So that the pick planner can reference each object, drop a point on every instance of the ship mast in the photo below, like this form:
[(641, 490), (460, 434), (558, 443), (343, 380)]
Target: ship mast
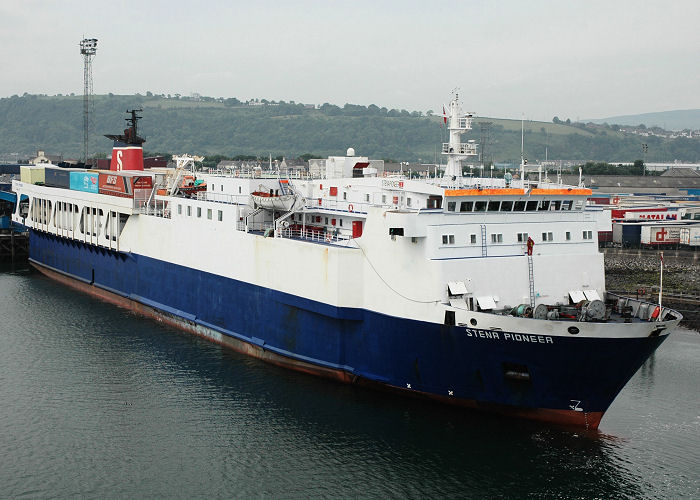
[(456, 150)]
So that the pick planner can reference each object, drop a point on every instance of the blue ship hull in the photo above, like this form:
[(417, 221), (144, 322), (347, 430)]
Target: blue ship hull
[(559, 379)]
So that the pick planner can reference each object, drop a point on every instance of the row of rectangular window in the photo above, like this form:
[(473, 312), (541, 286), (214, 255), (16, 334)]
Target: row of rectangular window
[(220, 213), (317, 219), (449, 239), (513, 206), (213, 188)]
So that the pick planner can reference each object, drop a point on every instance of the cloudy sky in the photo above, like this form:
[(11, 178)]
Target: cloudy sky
[(538, 59)]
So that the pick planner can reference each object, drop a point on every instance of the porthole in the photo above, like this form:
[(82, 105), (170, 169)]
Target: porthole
[(573, 330), (472, 322)]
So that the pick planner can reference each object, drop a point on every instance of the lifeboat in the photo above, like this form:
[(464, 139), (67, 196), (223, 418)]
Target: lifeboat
[(272, 201)]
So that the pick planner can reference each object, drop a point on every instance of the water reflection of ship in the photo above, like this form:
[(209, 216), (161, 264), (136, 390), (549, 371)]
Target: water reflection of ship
[(647, 369)]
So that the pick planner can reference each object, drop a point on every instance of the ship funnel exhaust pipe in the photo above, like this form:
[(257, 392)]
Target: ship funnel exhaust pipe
[(127, 152)]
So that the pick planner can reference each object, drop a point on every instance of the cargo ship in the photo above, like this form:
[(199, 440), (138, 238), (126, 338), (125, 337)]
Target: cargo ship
[(486, 293)]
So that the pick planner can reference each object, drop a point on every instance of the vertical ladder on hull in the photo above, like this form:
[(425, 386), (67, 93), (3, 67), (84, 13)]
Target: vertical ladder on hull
[(531, 276), (484, 252)]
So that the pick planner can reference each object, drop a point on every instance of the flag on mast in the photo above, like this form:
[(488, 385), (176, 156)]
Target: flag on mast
[(444, 115)]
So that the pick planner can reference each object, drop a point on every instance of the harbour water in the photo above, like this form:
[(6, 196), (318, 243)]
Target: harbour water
[(98, 402)]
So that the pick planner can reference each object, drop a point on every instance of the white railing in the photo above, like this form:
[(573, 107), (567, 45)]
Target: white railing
[(315, 235), (464, 148), (341, 205), (156, 208), (307, 234), (465, 123), (233, 199), (264, 173)]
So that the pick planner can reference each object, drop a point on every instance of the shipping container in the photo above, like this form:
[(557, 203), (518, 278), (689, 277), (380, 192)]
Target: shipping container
[(660, 234), (155, 162), (84, 181), (32, 174), (605, 238), (642, 213), (690, 236), (59, 177), (100, 163), (626, 234), (126, 184)]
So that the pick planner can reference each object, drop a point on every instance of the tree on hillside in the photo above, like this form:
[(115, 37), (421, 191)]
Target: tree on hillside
[(309, 156)]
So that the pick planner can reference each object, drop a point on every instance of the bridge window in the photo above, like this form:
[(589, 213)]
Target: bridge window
[(480, 206), (494, 205), (531, 206), (519, 206), (506, 206), (451, 205), (555, 205), (544, 205), (466, 206), (567, 204)]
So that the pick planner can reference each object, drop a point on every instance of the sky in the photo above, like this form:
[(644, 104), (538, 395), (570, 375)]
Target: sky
[(508, 59)]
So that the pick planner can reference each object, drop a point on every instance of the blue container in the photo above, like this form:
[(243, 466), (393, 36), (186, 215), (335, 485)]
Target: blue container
[(84, 181), (57, 177), (631, 235)]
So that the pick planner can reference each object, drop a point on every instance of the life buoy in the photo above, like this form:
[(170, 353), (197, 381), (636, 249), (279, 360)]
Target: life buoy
[(641, 291), (328, 237), (350, 207), (656, 312)]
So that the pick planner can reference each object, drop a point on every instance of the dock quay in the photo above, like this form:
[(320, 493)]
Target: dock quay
[(14, 246)]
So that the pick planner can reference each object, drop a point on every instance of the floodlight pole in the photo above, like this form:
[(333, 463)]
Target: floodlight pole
[(88, 48)]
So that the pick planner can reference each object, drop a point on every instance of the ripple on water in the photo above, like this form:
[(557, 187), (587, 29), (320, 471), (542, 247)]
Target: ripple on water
[(100, 402)]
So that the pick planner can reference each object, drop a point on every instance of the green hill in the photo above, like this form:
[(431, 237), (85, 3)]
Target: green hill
[(225, 126), (680, 119)]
